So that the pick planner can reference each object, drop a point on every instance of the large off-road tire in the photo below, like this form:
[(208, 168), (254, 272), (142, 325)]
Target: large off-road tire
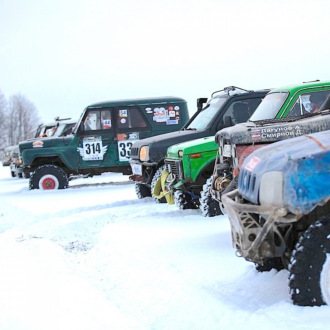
[(309, 266), (154, 180), (209, 206), (269, 264), (49, 177), (184, 201), (142, 190)]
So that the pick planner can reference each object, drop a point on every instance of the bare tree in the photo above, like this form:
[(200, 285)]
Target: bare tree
[(3, 135), (22, 119)]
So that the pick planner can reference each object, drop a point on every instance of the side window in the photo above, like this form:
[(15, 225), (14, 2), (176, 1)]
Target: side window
[(309, 103), (130, 118), (92, 121), (106, 119), (241, 111)]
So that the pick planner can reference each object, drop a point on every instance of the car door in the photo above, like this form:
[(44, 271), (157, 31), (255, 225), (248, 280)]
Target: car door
[(96, 139), (130, 125)]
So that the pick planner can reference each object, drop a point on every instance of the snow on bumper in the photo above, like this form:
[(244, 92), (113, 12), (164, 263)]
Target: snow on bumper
[(255, 228)]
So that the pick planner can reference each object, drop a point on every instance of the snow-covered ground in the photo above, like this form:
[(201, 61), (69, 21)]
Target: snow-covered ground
[(95, 257)]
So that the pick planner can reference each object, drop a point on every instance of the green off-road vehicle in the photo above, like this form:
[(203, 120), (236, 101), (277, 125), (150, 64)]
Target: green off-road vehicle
[(280, 213), (101, 140), (189, 165), (285, 113), (225, 108)]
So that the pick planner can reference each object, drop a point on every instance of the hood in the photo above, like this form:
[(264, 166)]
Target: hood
[(45, 142), (276, 130), (305, 164), (194, 146), (158, 144)]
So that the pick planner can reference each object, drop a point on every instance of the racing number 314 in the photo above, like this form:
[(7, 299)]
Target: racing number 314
[(92, 148)]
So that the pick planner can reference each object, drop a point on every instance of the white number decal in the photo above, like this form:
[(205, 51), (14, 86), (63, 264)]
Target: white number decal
[(124, 150), (93, 149)]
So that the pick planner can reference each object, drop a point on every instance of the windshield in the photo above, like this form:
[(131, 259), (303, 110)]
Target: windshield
[(269, 107), (206, 116)]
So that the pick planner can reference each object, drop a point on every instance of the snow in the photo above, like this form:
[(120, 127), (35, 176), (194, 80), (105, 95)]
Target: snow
[(95, 257)]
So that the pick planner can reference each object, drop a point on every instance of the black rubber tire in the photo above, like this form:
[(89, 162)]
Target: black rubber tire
[(12, 174), (209, 206), (53, 170), (306, 264), (20, 175), (142, 190), (269, 264), (184, 201), (153, 182)]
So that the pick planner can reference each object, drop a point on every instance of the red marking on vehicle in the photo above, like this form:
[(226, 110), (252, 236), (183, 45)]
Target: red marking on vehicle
[(253, 162), (318, 142), (37, 144)]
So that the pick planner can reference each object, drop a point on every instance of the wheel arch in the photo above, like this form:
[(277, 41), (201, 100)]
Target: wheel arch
[(51, 160)]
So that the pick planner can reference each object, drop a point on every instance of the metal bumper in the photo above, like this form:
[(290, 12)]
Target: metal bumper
[(255, 228)]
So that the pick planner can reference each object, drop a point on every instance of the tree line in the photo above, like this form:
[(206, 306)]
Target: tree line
[(19, 119)]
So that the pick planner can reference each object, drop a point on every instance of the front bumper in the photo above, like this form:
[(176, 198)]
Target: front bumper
[(142, 171), (258, 232)]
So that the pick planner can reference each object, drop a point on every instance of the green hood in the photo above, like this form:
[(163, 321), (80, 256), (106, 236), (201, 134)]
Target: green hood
[(193, 146)]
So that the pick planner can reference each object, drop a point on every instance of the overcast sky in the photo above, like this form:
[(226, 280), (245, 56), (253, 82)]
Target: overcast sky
[(66, 54)]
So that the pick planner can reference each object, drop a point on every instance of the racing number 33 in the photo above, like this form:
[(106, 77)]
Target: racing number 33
[(124, 150)]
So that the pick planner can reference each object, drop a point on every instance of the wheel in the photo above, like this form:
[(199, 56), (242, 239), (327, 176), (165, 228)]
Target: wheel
[(12, 174), (142, 190), (49, 177), (209, 206), (154, 180), (269, 264), (184, 201), (309, 266), (20, 175)]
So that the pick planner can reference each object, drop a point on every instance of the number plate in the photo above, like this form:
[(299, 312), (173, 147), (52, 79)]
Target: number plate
[(227, 150), (136, 169), (124, 149), (93, 149)]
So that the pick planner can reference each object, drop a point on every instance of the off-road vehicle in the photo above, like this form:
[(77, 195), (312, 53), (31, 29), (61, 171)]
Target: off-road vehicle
[(59, 127), (284, 113), (16, 168), (280, 214), (8, 155), (190, 164), (101, 140), (147, 157)]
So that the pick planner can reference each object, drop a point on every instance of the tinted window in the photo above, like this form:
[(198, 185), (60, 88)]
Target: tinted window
[(269, 107), (129, 118), (241, 111), (205, 117), (310, 102)]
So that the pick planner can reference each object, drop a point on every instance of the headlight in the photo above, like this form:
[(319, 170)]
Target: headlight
[(271, 189), (144, 154), (227, 150)]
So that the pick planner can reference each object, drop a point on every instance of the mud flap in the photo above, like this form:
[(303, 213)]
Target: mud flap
[(160, 190)]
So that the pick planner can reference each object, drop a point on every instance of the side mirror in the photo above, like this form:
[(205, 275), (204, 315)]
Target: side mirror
[(228, 121), (200, 103)]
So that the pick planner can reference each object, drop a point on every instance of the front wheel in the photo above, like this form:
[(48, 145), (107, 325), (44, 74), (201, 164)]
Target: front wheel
[(184, 201), (309, 267), (49, 177), (209, 206), (142, 190), (154, 185)]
